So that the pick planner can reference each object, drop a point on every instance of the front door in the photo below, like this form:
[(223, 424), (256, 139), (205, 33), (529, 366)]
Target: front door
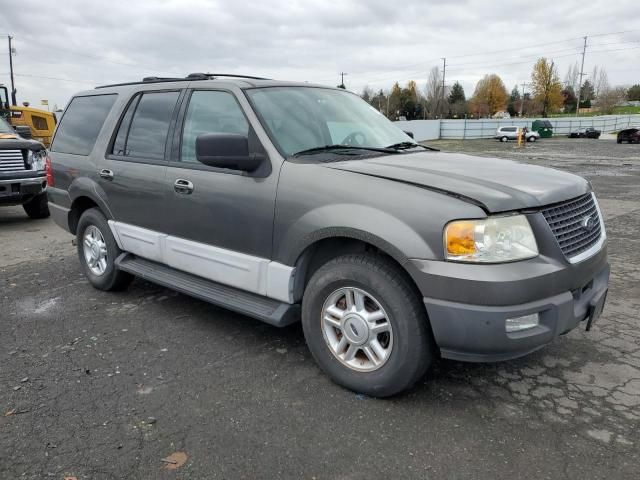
[(221, 220)]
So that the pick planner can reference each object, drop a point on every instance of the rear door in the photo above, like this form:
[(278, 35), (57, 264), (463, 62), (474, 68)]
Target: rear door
[(132, 173)]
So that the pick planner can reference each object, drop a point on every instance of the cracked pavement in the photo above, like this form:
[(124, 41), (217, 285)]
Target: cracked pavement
[(102, 385)]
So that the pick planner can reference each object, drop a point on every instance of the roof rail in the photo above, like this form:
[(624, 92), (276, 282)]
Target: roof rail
[(190, 77)]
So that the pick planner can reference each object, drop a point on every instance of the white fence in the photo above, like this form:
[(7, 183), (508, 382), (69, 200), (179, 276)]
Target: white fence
[(486, 128)]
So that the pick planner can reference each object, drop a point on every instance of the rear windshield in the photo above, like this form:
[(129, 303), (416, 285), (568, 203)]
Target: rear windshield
[(81, 124)]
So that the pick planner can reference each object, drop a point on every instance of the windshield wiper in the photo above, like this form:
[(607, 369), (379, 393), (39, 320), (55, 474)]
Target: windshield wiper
[(336, 148), (407, 145)]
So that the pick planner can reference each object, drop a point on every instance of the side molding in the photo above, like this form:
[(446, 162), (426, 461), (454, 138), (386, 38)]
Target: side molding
[(253, 274)]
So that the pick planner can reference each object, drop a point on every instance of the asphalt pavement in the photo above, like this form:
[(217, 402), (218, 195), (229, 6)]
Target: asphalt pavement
[(151, 384)]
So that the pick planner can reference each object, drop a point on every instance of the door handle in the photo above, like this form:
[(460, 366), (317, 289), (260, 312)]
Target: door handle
[(184, 187), (106, 174)]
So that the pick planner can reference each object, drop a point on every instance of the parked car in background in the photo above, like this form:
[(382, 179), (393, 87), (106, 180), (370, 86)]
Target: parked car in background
[(588, 132), (630, 135), (504, 134), (22, 172), (288, 201)]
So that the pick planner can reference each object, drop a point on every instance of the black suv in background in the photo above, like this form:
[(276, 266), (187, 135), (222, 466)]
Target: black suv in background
[(22, 172), (286, 201)]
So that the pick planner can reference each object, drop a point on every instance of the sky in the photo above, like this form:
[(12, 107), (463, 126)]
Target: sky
[(66, 46)]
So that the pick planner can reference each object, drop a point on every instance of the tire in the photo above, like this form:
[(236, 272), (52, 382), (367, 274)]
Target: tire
[(408, 341), (504, 139), (618, 140), (37, 207), (93, 224), (531, 139)]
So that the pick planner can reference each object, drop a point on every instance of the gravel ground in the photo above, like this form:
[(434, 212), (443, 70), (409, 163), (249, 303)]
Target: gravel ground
[(149, 383)]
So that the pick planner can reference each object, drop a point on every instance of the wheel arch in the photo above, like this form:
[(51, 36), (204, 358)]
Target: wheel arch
[(326, 244)]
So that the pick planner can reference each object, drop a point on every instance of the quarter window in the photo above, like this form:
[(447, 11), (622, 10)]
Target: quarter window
[(145, 125), (210, 111), (81, 124)]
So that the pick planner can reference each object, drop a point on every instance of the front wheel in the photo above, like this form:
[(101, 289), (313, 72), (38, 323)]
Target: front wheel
[(97, 251), (532, 139), (365, 325), (504, 139), (37, 207)]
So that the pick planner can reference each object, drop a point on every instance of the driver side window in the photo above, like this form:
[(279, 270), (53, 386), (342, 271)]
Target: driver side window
[(210, 111)]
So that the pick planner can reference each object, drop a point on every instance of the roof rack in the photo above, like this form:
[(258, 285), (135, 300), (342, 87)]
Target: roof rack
[(190, 77)]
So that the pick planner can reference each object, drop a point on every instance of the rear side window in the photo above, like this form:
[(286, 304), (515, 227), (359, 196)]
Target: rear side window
[(39, 123), (81, 124), (145, 125)]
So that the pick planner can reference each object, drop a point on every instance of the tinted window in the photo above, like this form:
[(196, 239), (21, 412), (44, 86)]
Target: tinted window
[(147, 131), (210, 112), (81, 124), (119, 144)]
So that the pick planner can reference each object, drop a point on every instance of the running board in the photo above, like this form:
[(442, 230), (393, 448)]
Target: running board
[(268, 310)]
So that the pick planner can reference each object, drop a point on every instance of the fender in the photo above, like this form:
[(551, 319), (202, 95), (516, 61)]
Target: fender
[(360, 222), (86, 187)]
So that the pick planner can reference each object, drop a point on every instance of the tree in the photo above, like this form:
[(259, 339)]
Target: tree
[(587, 94), (546, 86), (457, 101), (490, 96), (456, 94), (609, 98), (600, 80), (433, 103), (394, 102), (633, 94), (514, 102), (572, 76), (367, 94), (570, 100)]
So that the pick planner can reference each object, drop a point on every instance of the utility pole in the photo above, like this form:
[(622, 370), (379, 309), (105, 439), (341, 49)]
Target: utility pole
[(342, 74), (444, 72), (584, 50), (13, 88), (524, 85)]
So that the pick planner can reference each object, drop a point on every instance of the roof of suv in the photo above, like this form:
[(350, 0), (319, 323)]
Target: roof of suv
[(241, 81)]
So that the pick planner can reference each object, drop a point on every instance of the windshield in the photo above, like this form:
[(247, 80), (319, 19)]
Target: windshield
[(5, 127), (304, 118)]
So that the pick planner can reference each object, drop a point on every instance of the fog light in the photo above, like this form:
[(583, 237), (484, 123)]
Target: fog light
[(522, 323)]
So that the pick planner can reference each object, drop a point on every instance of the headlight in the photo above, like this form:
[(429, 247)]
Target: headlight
[(491, 240), (36, 159)]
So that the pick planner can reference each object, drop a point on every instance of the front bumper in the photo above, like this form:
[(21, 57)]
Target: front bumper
[(468, 305), (19, 190)]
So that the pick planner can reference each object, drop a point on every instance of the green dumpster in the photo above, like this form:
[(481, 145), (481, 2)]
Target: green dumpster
[(543, 127)]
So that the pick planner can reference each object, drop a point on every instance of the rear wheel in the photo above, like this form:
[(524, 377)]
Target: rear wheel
[(37, 207), (531, 139), (365, 325), (504, 139), (97, 250)]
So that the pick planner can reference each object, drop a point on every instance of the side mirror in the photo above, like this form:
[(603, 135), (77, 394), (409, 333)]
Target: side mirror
[(226, 150), (408, 133)]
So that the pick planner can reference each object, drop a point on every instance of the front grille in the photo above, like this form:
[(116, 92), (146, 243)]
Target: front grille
[(567, 221), (11, 161)]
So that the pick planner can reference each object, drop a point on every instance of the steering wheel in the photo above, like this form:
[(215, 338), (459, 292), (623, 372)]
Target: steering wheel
[(355, 139)]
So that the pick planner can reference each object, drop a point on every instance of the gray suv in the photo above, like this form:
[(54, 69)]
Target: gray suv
[(288, 201)]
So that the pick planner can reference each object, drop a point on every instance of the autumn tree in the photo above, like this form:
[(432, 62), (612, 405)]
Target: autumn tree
[(490, 96), (546, 86), (394, 102)]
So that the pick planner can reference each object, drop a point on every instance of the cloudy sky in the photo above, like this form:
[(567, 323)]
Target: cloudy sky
[(71, 45)]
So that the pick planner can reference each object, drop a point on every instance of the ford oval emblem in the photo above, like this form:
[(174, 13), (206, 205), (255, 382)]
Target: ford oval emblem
[(589, 222)]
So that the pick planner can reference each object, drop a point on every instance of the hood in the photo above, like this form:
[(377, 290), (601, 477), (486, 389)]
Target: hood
[(15, 142), (494, 184)]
